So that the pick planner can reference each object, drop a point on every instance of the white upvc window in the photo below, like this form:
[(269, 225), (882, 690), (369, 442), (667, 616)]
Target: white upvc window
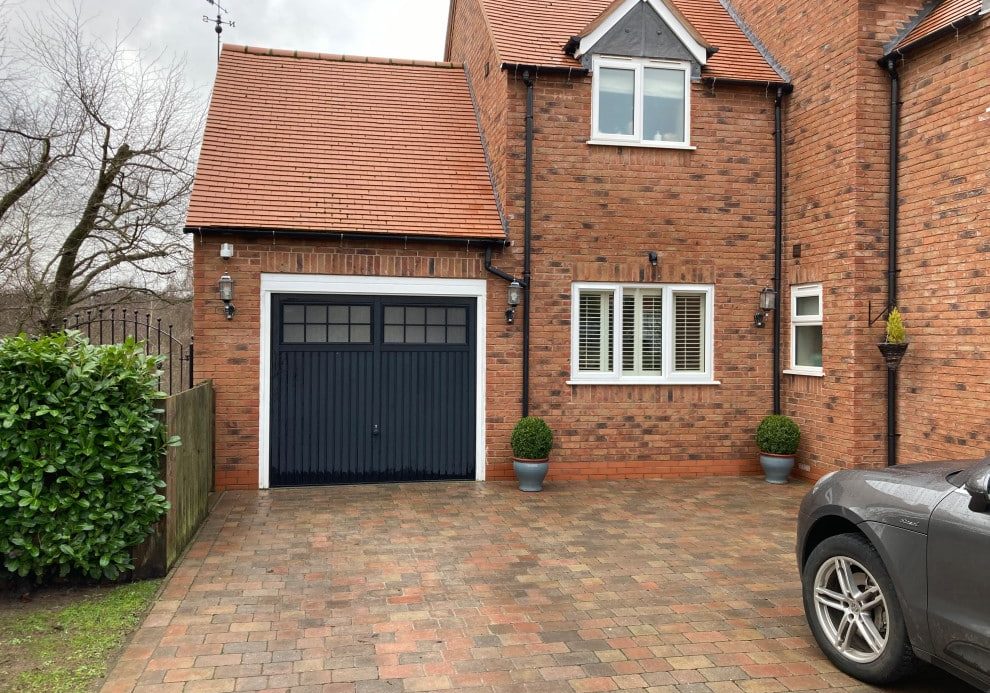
[(806, 329), (641, 102), (642, 334)]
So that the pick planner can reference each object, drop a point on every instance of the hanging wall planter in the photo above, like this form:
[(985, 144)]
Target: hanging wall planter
[(892, 353), (895, 344)]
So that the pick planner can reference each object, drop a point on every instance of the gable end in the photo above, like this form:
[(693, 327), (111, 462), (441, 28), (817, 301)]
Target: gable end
[(642, 33)]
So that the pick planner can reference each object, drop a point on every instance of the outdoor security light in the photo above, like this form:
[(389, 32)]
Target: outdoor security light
[(226, 250), (227, 295), (514, 298), (515, 294), (768, 301)]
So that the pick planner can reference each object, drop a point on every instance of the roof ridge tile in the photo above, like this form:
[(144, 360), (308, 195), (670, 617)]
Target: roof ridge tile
[(337, 57)]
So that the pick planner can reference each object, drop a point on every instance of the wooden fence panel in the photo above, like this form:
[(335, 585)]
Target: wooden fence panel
[(188, 467), (188, 473)]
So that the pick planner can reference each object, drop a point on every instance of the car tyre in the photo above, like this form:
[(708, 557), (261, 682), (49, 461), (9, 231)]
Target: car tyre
[(846, 588)]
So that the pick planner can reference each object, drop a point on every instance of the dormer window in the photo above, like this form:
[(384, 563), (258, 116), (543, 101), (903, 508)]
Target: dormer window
[(641, 102)]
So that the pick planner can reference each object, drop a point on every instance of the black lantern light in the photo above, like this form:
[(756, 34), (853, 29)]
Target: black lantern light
[(227, 295), (768, 301), (514, 298)]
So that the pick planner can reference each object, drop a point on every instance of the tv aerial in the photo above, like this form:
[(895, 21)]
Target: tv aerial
[(218, 23)]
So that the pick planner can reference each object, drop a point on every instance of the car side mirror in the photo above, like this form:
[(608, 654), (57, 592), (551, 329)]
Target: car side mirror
[(978, 487)]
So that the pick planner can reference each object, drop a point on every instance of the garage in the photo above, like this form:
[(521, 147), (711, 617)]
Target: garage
[(372, 388)]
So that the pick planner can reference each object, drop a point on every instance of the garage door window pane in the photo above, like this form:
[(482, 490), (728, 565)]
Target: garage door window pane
[(322, 324), (294, 334), (425, 325), (316, 334)]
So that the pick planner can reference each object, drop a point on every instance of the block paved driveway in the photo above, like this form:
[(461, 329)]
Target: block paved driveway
[(668, 586)]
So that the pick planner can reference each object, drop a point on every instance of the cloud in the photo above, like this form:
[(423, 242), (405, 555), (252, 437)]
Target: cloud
[(389, 28)]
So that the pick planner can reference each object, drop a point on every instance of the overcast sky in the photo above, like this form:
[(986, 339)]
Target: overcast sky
[(388, 28)]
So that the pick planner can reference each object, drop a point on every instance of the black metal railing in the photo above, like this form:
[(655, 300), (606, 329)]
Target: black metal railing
[(113, 327)]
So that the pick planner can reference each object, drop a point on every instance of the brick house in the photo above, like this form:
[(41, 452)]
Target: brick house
[(620, 161)]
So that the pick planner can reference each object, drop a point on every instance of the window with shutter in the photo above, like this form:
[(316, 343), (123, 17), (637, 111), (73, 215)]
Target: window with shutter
[(664, 332), (689, 332), (642, 331), (595, 332)]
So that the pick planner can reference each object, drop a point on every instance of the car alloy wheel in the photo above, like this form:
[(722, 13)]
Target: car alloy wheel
[(851, 609)]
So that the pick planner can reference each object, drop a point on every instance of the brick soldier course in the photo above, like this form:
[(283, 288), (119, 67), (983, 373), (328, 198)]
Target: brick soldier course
[(590, 586)]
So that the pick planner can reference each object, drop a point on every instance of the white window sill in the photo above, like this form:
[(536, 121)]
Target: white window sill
[(810, 374), (643, 381), (646, 145)]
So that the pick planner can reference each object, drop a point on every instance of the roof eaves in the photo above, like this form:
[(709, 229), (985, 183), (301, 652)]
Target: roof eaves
[(755, 40), (954, 26), (257, 231), (926, 10)]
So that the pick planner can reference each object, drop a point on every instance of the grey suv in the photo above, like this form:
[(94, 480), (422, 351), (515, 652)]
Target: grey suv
[(895, 566)]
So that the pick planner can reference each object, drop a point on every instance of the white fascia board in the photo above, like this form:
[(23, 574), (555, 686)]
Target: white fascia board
[(697, 50)]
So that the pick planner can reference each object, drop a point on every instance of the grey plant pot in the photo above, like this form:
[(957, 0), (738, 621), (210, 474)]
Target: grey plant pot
[(530, 473), (776, 468)]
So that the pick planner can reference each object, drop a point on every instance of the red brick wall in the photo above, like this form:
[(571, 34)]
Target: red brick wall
[(229, 352), (944, 290), (835, 212), (597, 212)]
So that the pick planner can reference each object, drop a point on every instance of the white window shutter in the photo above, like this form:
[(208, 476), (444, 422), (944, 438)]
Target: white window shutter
[(689, 332)]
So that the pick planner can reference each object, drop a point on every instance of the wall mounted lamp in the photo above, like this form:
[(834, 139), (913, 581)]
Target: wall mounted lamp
[(514, 298), (768, 301), (227, 295)]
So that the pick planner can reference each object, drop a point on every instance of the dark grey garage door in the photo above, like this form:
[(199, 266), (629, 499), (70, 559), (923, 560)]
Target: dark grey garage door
[(368, 389)]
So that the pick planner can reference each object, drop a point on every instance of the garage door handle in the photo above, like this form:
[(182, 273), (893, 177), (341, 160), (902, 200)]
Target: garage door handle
[(375, 430)]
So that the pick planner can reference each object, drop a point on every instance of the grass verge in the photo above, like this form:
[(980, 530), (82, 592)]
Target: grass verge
[(62, 641)]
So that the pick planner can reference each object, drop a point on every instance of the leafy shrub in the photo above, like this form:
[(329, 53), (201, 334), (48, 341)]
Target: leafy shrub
[(531, 439), (778, 435), (895, 327), (80, 449)]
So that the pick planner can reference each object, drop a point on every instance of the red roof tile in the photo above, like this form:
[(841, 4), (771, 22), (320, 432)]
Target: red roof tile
[(313, 142), (937, 17), (534, 32)]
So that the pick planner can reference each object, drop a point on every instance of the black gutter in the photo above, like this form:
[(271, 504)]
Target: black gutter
[(778, 238), (502, 274), (712, 82), (529, 81), (564, 70), (341, 235), (947, 30), (892, 214)]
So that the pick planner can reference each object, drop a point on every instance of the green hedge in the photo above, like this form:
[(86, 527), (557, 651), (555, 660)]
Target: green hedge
[(80, 448), (778, 435), (531, 439)]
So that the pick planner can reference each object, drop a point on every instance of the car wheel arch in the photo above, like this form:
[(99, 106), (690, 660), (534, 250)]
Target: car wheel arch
[(911, 592), (827, 526)]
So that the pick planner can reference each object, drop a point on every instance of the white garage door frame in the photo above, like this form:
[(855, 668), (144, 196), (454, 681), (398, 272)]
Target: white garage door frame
[(367, 286)]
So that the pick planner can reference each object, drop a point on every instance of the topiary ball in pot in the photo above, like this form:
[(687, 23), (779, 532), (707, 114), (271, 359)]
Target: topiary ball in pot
[(531, 442), (777, 437)]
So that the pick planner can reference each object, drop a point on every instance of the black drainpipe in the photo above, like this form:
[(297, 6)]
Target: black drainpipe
[(778, 237), (892, 208), (527, 238)]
